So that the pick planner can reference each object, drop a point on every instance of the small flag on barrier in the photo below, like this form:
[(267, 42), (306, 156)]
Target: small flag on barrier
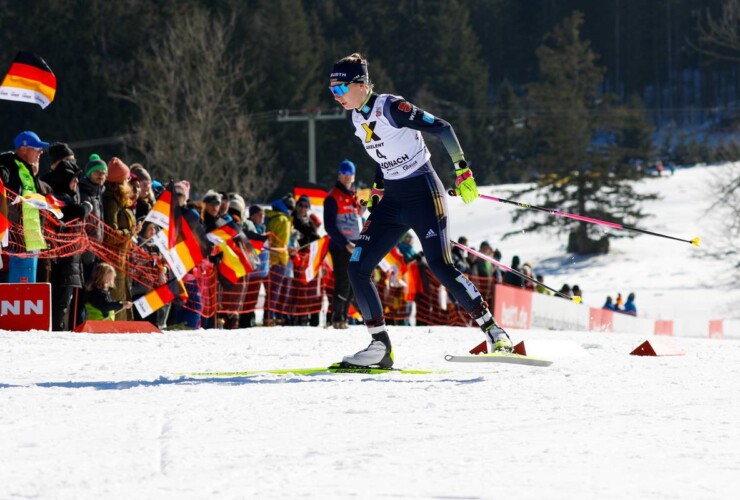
[(159, 297), (316, 253)]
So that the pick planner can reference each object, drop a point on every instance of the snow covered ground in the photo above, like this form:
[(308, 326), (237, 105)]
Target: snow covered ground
[(118, 416), (110, 416)]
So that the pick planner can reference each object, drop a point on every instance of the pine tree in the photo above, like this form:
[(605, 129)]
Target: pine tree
[(580, 169), (510, 138)]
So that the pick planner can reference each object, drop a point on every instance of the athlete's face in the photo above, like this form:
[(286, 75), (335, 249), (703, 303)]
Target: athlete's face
[(349, 95)]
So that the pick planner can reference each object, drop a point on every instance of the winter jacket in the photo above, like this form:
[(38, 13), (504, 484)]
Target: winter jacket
[(342, 216), (94, 194), (99, 305), (280, 225)]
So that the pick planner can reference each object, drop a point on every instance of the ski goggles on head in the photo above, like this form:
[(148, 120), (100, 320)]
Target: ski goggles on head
[(339, 90)]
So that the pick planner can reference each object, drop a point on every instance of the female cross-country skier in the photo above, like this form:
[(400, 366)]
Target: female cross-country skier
[(406, 194)]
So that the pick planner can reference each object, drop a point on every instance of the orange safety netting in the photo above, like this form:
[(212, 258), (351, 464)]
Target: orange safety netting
[(71, 238)]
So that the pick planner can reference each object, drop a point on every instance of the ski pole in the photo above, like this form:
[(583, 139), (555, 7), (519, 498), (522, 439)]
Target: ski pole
[(493, 261), (693, 241)]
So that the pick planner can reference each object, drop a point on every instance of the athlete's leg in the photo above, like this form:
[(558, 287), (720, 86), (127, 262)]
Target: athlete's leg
[(380, 234), (430, 223)]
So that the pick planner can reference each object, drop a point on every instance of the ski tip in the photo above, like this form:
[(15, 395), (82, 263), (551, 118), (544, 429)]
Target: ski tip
[(576, 299), (695, 241)]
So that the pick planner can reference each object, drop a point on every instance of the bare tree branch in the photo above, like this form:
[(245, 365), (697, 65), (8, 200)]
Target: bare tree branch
[(719, 37), (192, 123)]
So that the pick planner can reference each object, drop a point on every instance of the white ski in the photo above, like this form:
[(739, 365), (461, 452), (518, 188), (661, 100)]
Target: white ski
[(498, 357)]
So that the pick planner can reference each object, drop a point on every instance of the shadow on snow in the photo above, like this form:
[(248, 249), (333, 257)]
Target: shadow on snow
[(244, 380)]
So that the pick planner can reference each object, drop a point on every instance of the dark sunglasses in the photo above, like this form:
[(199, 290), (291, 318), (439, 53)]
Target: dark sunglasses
[(303, 205), (339, 90)]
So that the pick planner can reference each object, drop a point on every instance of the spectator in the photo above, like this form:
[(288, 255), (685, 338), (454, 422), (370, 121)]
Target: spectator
[(67, 276), (92, 186), (59, 151), (511, 278), (609, 304), (565, 290), (19, 171), (540, 288), (279, 226), (237, 208), (497, 275), (527, 271), (212, 216), (118, 203), (342, 222), (153, 260), (255, 222), (460, 256), (306, 224), (483, 267), (223, 209), (577, 291), (629, 306), (145, 199), (157, 188), (98, 302), (188, 313), (182, 192), (255, 230), (406, 247), (619, 303), (306, 227)]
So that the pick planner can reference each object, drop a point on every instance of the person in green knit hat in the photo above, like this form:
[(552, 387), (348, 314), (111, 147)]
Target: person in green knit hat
[(92, 186)]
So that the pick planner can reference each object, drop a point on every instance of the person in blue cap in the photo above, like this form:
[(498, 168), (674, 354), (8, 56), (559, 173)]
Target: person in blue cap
[(342, 223), (19, 172), (406, 195)]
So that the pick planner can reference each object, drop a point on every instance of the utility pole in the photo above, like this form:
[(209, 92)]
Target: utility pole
[(311, 117)]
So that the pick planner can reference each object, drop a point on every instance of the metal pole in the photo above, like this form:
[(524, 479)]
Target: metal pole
[(310, 117), (312, 148)]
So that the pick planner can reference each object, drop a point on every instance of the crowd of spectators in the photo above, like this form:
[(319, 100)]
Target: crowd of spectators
[(617, 305), (120, 196)]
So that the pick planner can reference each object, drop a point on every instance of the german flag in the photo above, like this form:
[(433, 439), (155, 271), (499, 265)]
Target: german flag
[(258, 245), (238, 251), (192, 246), (163, 214), (29, 79), (163, 295), (223, 233), (315, 193), (234, 263), (393, 259), (316, 253)]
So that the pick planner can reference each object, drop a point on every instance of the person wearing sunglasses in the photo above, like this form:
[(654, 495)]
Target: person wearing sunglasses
[(407, 195)]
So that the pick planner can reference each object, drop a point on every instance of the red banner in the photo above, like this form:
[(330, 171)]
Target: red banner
[(513, 306), (25, 306)]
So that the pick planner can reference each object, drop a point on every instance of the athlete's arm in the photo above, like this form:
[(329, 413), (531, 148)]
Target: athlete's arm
[(402, 113), (378, 177)]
